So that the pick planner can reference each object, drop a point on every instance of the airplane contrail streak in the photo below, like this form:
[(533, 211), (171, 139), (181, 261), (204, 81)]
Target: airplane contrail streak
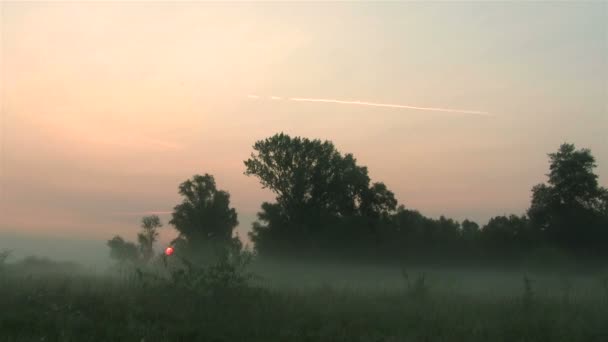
[(374, 104)]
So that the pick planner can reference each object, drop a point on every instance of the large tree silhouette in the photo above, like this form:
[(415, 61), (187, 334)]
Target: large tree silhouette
[(571, 209), (204, 216), (316, 189)]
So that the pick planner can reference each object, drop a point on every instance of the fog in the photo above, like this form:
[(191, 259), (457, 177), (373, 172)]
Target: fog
[(384, 172), (90, 253)]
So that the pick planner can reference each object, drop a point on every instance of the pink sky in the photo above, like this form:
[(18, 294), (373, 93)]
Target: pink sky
[(107, 107)]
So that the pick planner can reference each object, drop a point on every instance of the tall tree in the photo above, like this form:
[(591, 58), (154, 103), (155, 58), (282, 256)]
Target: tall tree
[(315, 187), (148, 236), (571, 208), (469, 230), (204, 215)]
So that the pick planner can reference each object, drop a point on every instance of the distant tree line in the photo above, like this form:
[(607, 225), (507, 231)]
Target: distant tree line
[(326, 206)]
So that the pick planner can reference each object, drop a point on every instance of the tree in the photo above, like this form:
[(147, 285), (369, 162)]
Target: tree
[(4, 254), (205, 215), (469, 230), (414, 235), (571, 209), (571, 176), (122, 250), (148, 236), (316, 188), (507, 236)]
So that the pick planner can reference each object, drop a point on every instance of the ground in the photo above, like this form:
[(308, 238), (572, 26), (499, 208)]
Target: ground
[(297, 303)]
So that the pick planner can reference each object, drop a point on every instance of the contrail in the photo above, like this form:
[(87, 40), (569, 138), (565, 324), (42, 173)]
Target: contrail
[(138, 213), (375, 104)]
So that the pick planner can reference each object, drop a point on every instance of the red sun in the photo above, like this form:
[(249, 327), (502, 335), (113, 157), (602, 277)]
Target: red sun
[(169, 251)]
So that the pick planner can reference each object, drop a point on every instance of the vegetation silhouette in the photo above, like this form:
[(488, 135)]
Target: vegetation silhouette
[(327, 206), (212, 278), (128, 252), (571, 211), (324, 200), (204, 220), (123, 251), (148, 236)]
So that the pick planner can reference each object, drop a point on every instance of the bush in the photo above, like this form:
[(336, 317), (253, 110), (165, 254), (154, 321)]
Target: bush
[(227, 274)]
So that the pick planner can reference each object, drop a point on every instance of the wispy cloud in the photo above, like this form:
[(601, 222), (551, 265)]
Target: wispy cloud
[(376, 104)]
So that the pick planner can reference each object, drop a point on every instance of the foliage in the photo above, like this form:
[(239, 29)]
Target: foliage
[(508, 236), (227, 275), (122, 251), (325, 206), (570, 210), (204, 217), (125, 251), (66, 307), (317, 191), (148, 236)]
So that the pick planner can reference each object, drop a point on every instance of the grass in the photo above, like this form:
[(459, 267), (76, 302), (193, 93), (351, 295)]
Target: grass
[(410, 305)]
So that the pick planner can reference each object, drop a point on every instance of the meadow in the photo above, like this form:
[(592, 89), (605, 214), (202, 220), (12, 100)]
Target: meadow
[(272, 301)]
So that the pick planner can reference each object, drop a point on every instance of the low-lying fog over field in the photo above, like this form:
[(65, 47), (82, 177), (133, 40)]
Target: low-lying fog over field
[(298, 302)]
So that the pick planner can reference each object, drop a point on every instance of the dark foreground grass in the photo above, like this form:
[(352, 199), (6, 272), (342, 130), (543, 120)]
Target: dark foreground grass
[(86, 308)]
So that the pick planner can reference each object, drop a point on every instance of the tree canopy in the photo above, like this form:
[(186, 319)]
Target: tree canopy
[(326, 205), (326, 202), (204, 216), (570, 209), (148, 236), (122, 250), (316, 188)]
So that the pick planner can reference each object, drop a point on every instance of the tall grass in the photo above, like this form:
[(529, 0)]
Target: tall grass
[(222, 302)]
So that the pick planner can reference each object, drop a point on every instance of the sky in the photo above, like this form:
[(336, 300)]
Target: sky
[(107, 106)]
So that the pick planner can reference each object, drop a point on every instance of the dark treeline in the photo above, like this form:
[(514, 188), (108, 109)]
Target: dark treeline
[(326, 206)]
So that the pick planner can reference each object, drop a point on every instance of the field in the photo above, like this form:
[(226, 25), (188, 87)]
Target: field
[(288, 302)]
